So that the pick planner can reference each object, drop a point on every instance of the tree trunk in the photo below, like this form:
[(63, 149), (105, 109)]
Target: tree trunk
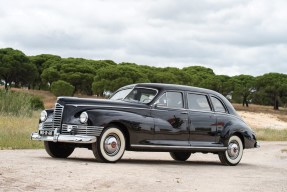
[(245, 102), (276, 104), (6, 85)]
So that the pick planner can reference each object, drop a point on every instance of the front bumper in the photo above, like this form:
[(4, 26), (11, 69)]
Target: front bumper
[(64, 138)]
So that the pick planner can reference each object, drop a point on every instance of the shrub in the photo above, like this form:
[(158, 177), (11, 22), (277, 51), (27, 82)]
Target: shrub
[(36, 103), (62, 88)]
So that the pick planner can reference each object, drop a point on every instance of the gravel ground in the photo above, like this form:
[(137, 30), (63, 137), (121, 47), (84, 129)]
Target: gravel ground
[(263, 169)]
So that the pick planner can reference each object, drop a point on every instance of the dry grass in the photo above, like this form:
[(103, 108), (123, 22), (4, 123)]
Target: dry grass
[(15, 132), (259, 109), (281, 114), (48, 98), (271, 134)]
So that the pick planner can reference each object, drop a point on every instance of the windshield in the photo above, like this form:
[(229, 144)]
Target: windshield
[(139, 95)]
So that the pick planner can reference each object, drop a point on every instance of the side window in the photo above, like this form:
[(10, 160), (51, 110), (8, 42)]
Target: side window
[(218, 106), (198, 102), (162, 101), (171, 99)]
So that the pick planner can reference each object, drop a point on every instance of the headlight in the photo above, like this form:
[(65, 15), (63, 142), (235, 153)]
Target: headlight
[(84, 117), (43, 116)]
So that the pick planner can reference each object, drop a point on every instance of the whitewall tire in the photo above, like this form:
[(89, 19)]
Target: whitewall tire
[(110, 146), (234, 152)]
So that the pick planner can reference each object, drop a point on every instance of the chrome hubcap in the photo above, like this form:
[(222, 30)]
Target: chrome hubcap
[(112, 145), (233, 150)]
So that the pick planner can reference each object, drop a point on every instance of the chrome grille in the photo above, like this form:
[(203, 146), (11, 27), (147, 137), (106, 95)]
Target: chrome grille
[(82, 130), (57, 118), (48, 125)]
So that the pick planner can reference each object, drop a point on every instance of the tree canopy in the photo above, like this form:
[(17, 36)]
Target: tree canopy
[(100, 76)]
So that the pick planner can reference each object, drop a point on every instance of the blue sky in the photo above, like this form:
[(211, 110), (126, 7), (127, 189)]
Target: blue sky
[(231, 37)]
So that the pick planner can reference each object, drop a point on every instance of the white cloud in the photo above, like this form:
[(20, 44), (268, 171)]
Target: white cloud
[(232, 37)]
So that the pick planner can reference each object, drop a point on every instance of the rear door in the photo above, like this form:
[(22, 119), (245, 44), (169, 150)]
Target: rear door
[(202, 120), (222, 117)]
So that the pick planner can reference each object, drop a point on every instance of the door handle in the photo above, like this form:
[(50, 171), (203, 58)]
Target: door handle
[(184, 112)]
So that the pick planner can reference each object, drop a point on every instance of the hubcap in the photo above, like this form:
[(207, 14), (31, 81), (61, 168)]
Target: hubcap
[(233, 150), (112, 145)]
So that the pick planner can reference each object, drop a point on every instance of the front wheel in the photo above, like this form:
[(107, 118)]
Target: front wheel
[(58, 150), (180, 156), (234, 152), (110, 146)]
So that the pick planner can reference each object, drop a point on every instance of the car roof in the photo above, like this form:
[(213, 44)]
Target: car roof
[(163, 86), (174, 87)]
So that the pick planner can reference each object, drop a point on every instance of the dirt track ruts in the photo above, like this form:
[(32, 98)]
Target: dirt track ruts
[(263, 169)]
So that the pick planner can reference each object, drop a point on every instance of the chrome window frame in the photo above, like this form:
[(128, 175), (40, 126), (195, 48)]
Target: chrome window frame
[(207, 98), (223, 104), (166, 107)]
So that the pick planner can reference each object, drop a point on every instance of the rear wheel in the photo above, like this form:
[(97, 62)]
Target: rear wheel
[(58, 150), (234, 152), (110, 146), (180, 156)]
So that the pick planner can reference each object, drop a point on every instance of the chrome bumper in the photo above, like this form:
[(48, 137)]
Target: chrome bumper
[(64, 138)]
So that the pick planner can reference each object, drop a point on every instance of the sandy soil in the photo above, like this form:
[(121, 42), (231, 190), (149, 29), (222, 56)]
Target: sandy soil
[(262, 169), (262, 120)]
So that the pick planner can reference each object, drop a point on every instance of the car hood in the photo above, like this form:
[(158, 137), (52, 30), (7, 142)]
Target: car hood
[(75, 101)]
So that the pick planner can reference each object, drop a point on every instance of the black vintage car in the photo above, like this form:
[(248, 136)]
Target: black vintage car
[(177, 119)]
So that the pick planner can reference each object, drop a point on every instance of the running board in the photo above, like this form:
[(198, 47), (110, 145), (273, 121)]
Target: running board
[(179, 148)]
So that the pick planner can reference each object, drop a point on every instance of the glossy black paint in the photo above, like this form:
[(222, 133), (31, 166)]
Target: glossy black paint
[(149, 125)]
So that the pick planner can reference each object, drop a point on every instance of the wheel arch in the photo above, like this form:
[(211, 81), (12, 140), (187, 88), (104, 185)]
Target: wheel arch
[(241, 137), (123, 128)]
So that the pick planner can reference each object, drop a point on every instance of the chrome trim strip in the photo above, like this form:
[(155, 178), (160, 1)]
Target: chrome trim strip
[(65, 138), (108, 106), (179, 147), (82, 130)]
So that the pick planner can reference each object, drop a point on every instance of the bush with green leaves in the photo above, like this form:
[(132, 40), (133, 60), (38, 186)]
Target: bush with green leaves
[(36, 103), (62, 88)]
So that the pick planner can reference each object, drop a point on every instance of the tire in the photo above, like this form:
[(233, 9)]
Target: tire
[(58, 150), (234, 152), (110, 146), (180, 156)]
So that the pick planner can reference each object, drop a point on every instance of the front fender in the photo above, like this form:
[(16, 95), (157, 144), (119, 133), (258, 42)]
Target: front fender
[(139, 125)]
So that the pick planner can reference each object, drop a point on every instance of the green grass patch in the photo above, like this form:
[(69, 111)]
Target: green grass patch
[(271, 134), (15, 132), (18, 104)]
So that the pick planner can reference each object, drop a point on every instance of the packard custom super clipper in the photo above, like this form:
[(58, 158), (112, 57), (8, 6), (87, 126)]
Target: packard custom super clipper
[(177, 119)]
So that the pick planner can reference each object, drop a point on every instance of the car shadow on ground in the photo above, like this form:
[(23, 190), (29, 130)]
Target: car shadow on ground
[(147, 161)]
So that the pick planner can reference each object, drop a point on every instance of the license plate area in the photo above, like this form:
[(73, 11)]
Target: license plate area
[(46, 132)]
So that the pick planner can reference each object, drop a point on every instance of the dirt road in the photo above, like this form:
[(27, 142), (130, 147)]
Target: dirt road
[(263, 169)]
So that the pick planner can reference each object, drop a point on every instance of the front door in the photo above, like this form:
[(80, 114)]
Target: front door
[(171, 120)]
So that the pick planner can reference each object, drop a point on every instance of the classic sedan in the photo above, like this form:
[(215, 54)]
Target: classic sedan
[(178, 119)]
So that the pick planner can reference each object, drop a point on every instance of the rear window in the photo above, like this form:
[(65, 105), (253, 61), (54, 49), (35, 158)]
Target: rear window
[(218, 106)]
